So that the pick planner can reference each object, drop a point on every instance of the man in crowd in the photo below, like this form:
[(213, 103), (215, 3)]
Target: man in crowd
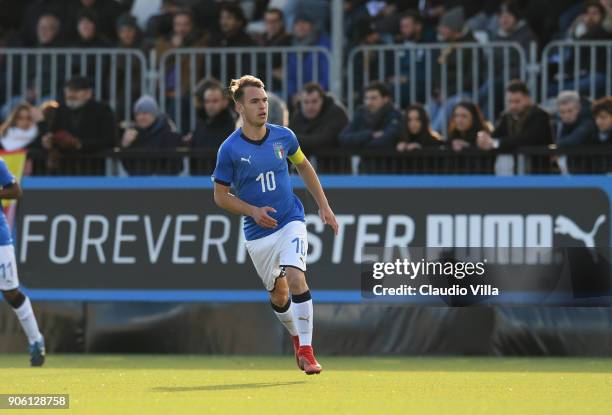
[(275, 33), (82, 123), (576, 125), (215, 121), (522, 124), (602, 111), (153, 132), (376, 124), (232, 23), (318, 120)]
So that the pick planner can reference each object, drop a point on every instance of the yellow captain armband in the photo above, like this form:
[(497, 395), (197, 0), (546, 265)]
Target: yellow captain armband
[(297, 157)]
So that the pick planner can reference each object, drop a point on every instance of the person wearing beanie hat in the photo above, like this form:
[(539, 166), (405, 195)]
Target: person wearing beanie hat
[(451, 24), (153, 129), (146, 104)]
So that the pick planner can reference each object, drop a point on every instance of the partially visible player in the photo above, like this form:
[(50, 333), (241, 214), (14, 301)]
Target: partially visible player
[(254, 160), (9, 282)]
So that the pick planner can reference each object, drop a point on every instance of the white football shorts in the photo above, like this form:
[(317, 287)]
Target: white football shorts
[(8, 268), (286, 247)]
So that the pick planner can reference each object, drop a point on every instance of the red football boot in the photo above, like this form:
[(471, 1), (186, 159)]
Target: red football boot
[(307, 361)]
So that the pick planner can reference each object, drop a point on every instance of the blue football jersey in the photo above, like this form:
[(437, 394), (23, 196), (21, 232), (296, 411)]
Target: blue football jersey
[(259, 173), (6, 179)]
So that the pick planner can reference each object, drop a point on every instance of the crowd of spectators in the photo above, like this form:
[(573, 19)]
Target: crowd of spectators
[(74, 121)]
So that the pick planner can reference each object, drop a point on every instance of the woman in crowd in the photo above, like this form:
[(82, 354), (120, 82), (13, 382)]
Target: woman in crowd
[(417, 133), (21, 129), (466, 120)]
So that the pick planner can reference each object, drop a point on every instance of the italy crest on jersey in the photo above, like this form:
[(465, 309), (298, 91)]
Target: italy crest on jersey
[(279, 151)]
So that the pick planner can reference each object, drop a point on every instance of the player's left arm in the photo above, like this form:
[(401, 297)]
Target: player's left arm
[(311, 180)]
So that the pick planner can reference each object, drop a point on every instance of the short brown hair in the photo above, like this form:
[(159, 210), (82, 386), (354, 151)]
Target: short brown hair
[(311, 87), (602, 105), (379, 86), (237, 85), (517, 86)]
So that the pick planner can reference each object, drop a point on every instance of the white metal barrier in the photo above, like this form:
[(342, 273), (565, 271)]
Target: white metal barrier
[(119, 75), (582, 66), (428, 73), (435, 72), (284, 70)]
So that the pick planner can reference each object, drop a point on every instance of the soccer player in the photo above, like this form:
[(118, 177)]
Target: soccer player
[(253, 160), (9, 282)]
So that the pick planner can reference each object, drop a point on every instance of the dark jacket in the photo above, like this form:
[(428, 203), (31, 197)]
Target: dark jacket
[(426, 138), (598, 138), (469, 136), (281, 39), (359, 132), (211, 132), (321, 132), (580, 131), (158, 135), (536, 130), (93, 124)]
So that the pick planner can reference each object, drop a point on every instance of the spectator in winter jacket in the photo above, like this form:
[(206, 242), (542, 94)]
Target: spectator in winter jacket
[(215, 121), (318, 120), (376, 124), (576, 125), (153, 129), (153, 132), (522, 124), (81, 123)]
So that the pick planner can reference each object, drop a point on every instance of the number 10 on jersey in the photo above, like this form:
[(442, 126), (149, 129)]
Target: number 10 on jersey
[(268, 183)]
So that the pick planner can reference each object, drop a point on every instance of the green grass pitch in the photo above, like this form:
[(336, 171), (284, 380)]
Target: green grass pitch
[(144, 385)]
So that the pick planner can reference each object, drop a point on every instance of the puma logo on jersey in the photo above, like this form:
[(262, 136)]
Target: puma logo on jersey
[(248, 160), (307, 319)]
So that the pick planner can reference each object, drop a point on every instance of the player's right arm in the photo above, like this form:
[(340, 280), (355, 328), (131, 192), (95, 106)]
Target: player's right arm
[(225, 200)]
